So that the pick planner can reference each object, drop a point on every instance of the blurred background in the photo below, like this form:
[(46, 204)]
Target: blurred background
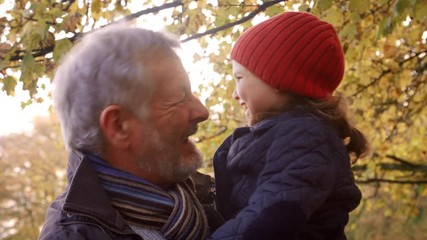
[(385, 44)]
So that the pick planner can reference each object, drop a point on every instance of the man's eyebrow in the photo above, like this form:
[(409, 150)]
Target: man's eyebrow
[(184, 91)]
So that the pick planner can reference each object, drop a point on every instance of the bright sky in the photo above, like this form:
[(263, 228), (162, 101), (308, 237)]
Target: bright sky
[(15, 119)]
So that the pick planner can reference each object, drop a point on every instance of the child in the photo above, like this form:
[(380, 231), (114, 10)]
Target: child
[(287, 175)]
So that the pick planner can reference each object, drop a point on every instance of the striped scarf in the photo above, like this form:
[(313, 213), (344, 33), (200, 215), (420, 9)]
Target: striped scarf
[(174, 212)]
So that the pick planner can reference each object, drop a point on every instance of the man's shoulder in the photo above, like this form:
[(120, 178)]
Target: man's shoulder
[(63, 226), (204, 187), (60, 225), (53, 216)]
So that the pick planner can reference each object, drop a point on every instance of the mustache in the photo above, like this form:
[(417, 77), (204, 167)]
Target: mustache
[(191, 130)]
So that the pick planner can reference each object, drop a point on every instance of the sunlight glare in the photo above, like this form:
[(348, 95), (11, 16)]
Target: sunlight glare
[(259, 18), (407, 21), (7, 5), (18, 120), (296, 6), (192, 5)]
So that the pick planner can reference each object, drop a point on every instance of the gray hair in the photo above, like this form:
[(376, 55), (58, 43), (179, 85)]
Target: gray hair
[(106, 67)]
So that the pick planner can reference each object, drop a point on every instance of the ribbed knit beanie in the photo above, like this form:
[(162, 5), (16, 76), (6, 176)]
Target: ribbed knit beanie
[(293, 52)]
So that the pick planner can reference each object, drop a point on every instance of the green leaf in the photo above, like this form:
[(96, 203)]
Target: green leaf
[(38, 69), (38, 8), (273, 11), (61, 48), (9, 84), (349, 31), (27, 62), (324, 4), (359, 6), (420, 10), (400, 7), (384, 28), (334, 16), (96, 6), (56, 13)]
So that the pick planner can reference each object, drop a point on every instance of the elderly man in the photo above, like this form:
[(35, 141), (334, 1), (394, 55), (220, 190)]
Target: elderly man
[(127, 110)]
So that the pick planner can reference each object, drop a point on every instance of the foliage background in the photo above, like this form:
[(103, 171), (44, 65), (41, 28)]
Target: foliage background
[(385, 80)]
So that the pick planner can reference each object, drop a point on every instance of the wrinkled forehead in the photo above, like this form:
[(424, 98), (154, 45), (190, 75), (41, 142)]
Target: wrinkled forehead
[(167, 70)]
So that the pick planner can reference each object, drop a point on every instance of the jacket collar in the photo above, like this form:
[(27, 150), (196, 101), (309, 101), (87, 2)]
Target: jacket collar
[(85, 195), (296, 112), (264, 125)]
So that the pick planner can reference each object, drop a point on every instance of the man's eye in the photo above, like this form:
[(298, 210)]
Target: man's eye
[(182, 97)]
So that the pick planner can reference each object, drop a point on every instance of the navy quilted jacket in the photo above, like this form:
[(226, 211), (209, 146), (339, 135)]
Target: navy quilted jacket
[(287, 177)]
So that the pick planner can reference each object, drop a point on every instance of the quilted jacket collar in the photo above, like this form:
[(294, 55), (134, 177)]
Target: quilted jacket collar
[(266, 124)]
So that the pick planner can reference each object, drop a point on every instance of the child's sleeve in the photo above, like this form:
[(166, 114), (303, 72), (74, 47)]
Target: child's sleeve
[(297, 178)]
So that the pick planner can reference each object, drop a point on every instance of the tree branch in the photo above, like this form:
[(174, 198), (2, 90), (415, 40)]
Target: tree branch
[(383, 180), (393, 167), (204, 138), (375, 80), (150, 10), (43, 51), (385, 72), (418, 171), (261, 8), (404, 162)]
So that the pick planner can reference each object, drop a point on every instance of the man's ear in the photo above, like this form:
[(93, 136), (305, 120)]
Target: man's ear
[(114, 123)]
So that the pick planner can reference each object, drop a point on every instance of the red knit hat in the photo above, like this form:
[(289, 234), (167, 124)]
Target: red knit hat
[(293, 52)]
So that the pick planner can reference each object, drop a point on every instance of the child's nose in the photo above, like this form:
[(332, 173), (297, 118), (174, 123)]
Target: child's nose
[(235, 95)]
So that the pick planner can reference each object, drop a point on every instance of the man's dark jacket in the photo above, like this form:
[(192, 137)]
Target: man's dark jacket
[(287, 177), (84, 211)]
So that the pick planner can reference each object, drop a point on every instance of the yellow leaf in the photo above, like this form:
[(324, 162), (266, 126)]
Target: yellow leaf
[(334, 16), (324, 4), (359, 6)]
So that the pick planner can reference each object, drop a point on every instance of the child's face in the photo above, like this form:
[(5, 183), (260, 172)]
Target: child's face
[(252, 93)]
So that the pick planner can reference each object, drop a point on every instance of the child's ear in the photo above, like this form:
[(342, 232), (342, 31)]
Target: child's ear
[(114, 122)]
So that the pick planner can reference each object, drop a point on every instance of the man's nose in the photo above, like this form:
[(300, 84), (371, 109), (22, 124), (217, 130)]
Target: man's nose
[(199, 112)]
